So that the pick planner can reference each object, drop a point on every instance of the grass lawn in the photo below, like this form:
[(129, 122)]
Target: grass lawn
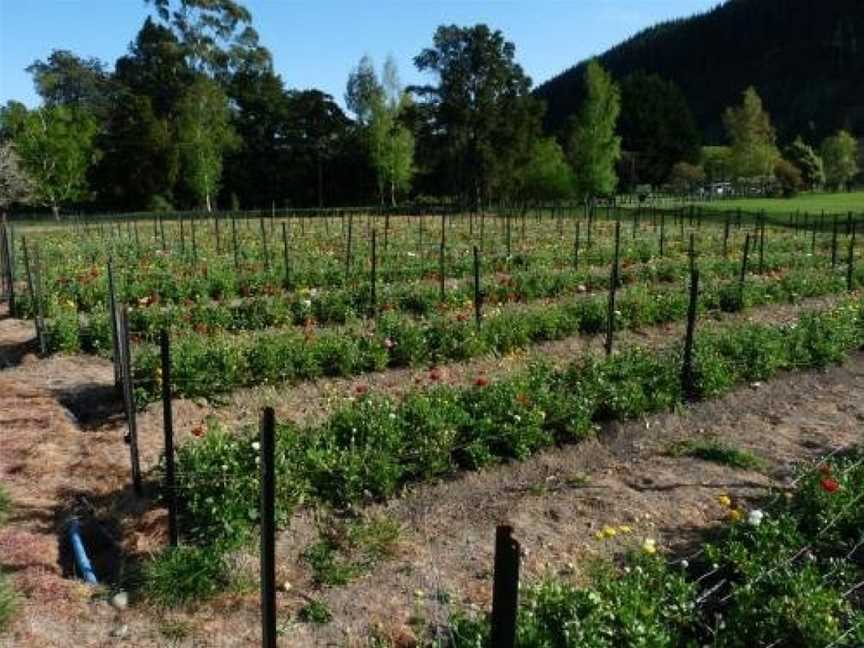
[(813, 203)]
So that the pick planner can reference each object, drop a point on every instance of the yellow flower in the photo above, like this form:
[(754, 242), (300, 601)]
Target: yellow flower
[(649, 546), (625, 529), (735, 515), (609, 532), (725, 501)]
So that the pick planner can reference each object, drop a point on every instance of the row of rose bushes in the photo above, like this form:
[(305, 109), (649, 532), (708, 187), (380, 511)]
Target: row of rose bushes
[(374, 445), (339, 306), (75, 274), (211, 365), (786, 574)]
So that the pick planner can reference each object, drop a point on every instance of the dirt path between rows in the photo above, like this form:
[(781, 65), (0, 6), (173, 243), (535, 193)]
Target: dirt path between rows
[(63, 452)]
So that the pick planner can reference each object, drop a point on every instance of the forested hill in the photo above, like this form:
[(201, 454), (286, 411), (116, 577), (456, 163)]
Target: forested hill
[(804, 57)]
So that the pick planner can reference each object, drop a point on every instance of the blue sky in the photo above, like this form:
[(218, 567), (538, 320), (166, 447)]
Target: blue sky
[(316, 43)]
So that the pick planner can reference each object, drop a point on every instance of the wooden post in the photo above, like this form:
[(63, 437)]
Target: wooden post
[(834, 243), (662, 233), (442, 272), (264, 247), (762, 244), (687, 382), (850, 267), (193, 237), (170, 485), (234, 243), (285, 258), (129, 397), (348, 246), (613, 284), (478, 295), (743, 274), (268, 528), (217, 233), (576, 247), (115, 329), (372, 277), (505, 589), (36, 293)]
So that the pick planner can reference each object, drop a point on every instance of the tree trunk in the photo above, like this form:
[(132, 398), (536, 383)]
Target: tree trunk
[(55, 209)]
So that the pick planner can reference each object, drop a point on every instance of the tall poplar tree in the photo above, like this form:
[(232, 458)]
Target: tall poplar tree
[(593, 147)]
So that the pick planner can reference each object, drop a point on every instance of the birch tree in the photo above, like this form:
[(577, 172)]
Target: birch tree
[(205, 134)]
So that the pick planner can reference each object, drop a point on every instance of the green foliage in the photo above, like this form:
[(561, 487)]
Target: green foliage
[(483, 108), (56, 147), (185, 574), (805, 158), (717, 451), (391, 143), (8, 602), (347, 549), (205, 135), (686, 177), (5, 505), (840, 157), (315, 611), (657, 125), (547, 176), (593, 147), (369, 448), (781, 575), (753, 149)]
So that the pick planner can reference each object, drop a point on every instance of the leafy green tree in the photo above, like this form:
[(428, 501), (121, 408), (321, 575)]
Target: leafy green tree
[(316, 124), (717, 163), (155, 67), (15, 185), (788, 176), (258, 171), (807, 161), (753, 141), (686, 177), (66, 79), (840, 156), (56, 147), (205, 134), (216, 36), (656, 126), (140, 162), (480, 109), (547, 176), (391, 142), (363, 90), (593, 147)]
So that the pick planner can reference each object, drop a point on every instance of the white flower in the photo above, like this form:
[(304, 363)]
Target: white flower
[(754, 518), (307, 303), (256, 446)]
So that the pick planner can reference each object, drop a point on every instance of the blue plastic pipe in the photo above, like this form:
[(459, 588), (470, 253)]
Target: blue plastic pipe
[(73, 529)]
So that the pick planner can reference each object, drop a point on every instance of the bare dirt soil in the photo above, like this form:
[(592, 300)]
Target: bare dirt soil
[(63, 452)]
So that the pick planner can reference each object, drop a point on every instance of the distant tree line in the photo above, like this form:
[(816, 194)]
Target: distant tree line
[(194, 116)]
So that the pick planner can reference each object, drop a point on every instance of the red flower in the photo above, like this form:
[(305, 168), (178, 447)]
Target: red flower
[(198, 431), (361, 389), (830, 485), (434, 374), (481, 381)]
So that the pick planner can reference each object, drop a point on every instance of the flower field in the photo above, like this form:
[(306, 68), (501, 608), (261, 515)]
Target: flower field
[(282, 300)]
